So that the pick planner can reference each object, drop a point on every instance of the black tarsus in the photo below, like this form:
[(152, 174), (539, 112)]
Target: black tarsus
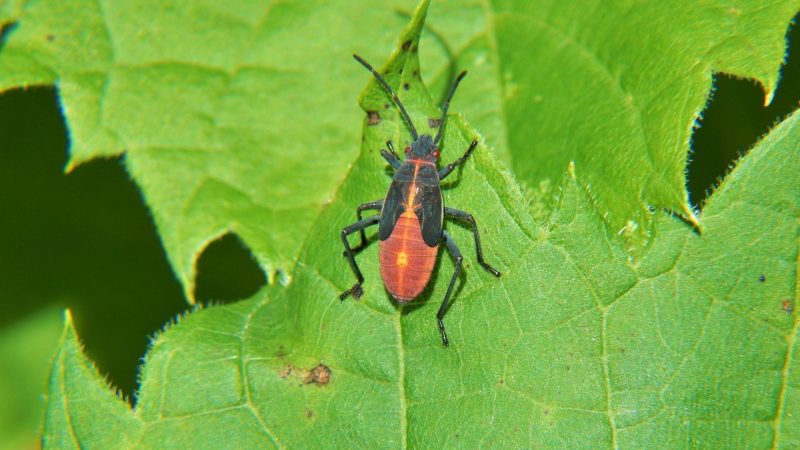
[(445, 171), (346, 231), (467, 217), (392, 93), (446, 105), (451, 245)]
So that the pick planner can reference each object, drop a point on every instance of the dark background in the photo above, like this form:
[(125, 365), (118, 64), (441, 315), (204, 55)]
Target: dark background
[(86, 240)]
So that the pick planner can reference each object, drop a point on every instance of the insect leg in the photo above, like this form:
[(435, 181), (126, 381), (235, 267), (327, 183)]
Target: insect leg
[(346, 231), (451, 245), (391, 156), (445, 171), (369, 206), (467, 217)]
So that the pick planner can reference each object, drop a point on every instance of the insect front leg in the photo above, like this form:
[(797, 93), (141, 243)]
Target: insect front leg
[(369, 206), (467, 217), (445, 171), (451, 245), (391, 156), (348, 252)]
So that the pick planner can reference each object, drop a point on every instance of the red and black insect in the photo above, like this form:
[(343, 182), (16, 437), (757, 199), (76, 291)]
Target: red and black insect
[(412, 214)]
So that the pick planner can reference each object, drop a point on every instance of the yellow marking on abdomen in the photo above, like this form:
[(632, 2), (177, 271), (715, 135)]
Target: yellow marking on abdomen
[(402, 259)]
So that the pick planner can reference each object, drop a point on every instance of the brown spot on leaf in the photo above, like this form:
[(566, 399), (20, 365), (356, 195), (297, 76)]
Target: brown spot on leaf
[(320, 375), (406, 45), (434, 123), (286, 371), (50, 37), (309, 414), (373, 118), (788, 307), (386, 106)]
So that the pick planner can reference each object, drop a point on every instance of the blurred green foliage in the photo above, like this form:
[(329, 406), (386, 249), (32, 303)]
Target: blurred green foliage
[(86, 240)]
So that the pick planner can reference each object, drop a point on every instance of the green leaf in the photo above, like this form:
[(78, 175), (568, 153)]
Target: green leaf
[(617, 88), (204, 101), (78, 400), (26, 350), (577, 345)]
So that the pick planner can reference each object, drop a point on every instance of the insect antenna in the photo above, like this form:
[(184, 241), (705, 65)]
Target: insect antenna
[(391, 92), (446, 105)]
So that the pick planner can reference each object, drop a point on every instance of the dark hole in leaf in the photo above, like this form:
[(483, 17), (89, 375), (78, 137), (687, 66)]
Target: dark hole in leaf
[(406, 45), (83, 240), (762, 278), (227, 272), (406, 86), (735, 119)]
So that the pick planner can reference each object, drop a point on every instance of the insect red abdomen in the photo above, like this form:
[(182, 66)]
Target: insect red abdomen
[(406, 260)]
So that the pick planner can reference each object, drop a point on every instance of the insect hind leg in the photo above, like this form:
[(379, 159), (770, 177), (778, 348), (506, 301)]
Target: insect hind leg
[(467, 217), (356, 290), (369, 206), (453, 248)]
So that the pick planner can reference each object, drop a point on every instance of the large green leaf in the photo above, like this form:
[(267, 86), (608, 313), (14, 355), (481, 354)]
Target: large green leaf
[(576, 345), (239, 117), (614, 86)]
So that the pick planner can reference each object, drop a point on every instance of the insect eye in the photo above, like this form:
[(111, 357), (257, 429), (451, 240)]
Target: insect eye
[(408, 150), (436, 153)]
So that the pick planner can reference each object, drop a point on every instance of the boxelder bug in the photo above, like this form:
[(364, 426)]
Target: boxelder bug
[(411, 215)]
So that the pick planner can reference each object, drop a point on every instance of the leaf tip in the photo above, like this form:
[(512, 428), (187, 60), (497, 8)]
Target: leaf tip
[(571, 170), (68, 318), (691, 217), (188, 289)]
